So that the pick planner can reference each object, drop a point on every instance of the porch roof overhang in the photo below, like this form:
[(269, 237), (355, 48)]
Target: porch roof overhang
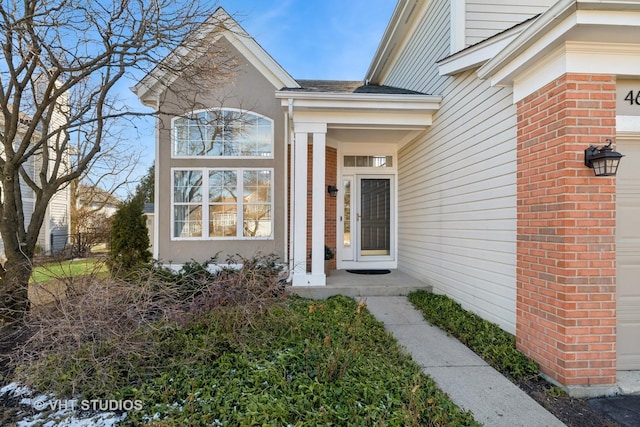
[(567, 38), (404, 112)]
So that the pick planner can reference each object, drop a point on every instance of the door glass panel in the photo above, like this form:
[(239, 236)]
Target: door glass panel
[(375, 221), (346, 224)]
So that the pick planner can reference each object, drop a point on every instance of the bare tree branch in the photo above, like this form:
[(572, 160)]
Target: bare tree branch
[(60, 67)]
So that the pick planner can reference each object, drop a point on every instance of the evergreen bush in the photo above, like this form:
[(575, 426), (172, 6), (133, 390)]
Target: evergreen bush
[(129, 237)]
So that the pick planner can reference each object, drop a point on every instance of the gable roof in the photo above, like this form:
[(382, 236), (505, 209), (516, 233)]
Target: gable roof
[(591, 21), (220, 24)]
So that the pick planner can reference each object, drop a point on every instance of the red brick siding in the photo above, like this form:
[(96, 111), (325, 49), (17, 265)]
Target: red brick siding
[(331, 176), (566, 266), (330, 220)]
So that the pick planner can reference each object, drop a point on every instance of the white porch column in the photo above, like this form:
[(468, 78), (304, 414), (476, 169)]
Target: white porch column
[(300, 276)]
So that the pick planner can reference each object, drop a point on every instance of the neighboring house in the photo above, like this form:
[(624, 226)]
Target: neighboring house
[(93, 204), (459, 160), (90, 224), (97, 200), (54, 233)]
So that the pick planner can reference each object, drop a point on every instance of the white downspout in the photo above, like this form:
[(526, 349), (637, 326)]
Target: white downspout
[(289, 135), (156, 185)]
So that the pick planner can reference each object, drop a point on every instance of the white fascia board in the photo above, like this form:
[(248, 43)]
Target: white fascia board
[(504, 75), (324, 100), (616, 18), (603, 58), (398, 120), (403, 24), (558, 12), (477, 55), (386, 42)]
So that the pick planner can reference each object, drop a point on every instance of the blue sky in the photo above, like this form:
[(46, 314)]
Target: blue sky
[(311, 39), (316, 39)]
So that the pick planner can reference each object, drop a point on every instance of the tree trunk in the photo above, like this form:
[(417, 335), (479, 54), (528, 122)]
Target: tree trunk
[(14, 282)]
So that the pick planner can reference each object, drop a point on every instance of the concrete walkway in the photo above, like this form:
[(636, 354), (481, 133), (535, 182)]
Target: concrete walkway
[(464, 376)]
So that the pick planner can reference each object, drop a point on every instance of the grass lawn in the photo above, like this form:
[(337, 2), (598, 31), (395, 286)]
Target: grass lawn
[(70, 268), (49, 282)]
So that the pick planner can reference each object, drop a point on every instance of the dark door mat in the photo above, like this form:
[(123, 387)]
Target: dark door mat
[(369, 271), (625, 410)]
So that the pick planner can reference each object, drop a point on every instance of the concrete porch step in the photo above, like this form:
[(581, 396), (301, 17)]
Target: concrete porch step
[(341, 282)]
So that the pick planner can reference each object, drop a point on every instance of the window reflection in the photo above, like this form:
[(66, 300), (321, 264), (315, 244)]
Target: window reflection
[(347, 212), (223, 133)]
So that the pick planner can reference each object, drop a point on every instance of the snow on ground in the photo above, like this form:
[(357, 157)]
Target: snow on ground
[(50, 412)]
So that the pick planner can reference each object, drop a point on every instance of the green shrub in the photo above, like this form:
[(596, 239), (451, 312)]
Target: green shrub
[(496, 346), (129, 237)]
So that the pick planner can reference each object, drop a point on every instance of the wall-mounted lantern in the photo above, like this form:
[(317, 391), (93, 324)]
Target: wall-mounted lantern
[(603, 160), (332, 190)]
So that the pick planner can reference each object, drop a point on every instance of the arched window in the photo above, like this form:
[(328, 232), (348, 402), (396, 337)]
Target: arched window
[(223, 132)]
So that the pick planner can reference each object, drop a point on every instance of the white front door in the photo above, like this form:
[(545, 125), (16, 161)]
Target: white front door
[(367, 221)]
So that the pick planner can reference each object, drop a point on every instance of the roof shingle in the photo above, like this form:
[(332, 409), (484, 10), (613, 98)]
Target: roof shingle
[(348, 86)]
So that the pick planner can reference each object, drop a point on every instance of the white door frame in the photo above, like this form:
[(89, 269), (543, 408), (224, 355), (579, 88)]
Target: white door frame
[(347, 257)]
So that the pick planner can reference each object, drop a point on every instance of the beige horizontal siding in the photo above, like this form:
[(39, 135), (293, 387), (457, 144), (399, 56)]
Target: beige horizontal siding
[(457, 200), (457, 182), (430, 43), (487, 18)]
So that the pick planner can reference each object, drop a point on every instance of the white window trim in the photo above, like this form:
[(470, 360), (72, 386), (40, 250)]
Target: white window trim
[(205, 204), (273, 143)]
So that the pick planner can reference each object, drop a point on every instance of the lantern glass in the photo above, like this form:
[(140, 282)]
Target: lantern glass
[(599, 167)]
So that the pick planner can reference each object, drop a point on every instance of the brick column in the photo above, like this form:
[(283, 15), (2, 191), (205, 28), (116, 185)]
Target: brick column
[(566, 271)]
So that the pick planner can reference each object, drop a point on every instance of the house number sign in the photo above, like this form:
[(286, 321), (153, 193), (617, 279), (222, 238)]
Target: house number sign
[(628, 98), (633, 97)]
